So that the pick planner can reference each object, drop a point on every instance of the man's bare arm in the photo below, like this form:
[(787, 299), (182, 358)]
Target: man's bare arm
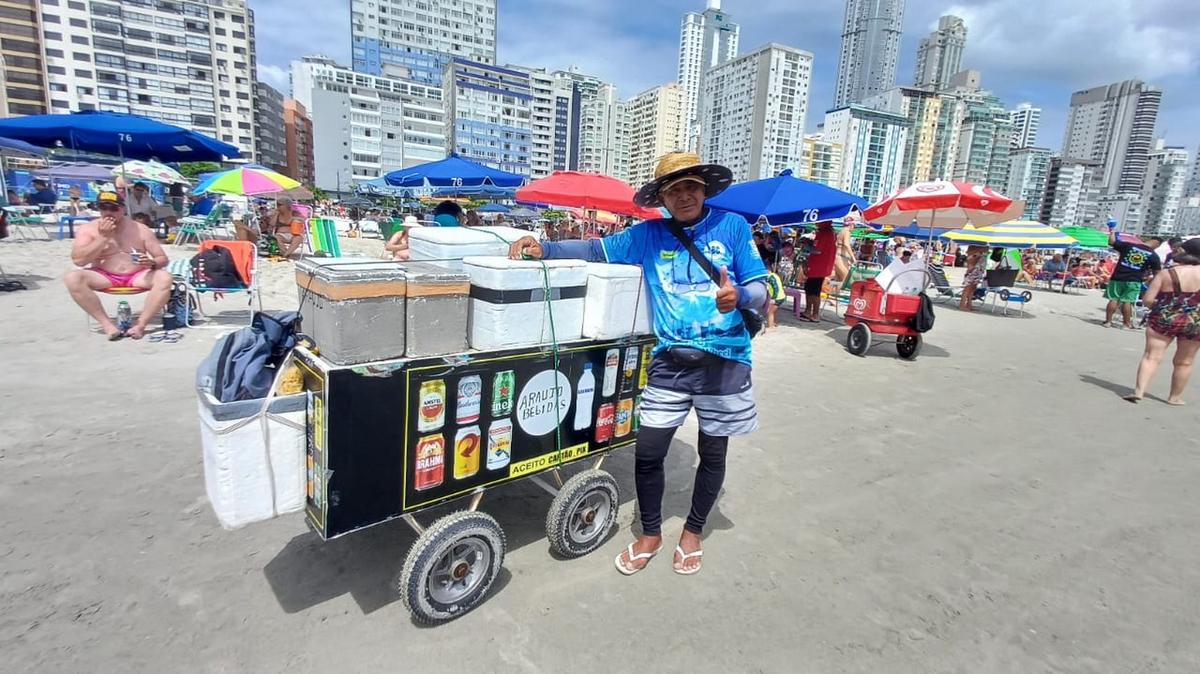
[(153, 248)]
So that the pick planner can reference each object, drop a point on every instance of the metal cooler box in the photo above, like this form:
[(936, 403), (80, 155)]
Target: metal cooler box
[(437, 300), (354, 309)]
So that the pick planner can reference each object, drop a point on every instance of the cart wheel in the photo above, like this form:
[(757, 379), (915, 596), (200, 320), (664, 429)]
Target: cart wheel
[(1004, 295), (582, 513), (1026, 295), (859, 339), (908, 346), (452, 565)]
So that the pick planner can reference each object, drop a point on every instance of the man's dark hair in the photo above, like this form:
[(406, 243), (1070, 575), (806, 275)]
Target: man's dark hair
[(1174, 241), (1189, 252), (448, 208)]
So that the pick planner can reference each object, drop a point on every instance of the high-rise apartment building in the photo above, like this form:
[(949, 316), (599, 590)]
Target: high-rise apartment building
[(1187, 223), (1114, 126), (22, 61), (1025, 120), (184, 62), (870, 49), (554, 122), (1070, 197), (653, 129), (754, 111), (604, 126), (1027, 178), (935, 122), (1163, 189), (820, 161), (366, 125), (419, 37), (270, 147), (984, 142), (873, 149), (706, 40), (298, 131), (940, 55), (489, 114), (1192, 188)]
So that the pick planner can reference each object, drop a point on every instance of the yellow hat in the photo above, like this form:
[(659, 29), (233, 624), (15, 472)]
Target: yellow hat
[(679, 166)]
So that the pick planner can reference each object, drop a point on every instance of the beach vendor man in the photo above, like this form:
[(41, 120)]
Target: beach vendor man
[(114, 251), (702, 359), (1135, 266)]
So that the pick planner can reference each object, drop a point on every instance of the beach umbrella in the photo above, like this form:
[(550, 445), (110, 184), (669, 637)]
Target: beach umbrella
[(477, 192), (138, 169), (523, 212), (941, 202), (786, 199), (15, 148), (1087, 236), (592, 191), (1015, 234), (453, 171), (494, 208), (117, 134), (356, 202), (76, 171), (250, 180), (914, 230)]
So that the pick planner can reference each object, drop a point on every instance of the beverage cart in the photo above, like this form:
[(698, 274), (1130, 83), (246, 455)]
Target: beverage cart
[(388, 439)]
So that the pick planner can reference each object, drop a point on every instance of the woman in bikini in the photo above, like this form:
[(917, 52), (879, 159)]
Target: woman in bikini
[(1174, 301), (287, 227)]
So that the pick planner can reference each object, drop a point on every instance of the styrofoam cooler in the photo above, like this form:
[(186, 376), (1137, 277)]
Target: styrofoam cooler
[(438, 298), (455, 243), (509, 306), (617, 303), (254, 465), (353, 308)]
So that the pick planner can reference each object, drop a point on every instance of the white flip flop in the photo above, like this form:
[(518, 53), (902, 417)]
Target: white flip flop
[(683, 557), (633, 558)]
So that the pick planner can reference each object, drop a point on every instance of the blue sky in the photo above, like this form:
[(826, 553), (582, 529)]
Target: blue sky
[(1037, 51)]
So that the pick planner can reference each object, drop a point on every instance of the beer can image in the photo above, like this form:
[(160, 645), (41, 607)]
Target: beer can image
[(624, 422), (604, 422), (503, 384), (430, 462), (629, 369), (644, 370), (637, 411), (499, 451), (470, 394), (466, 452), (431, 410)]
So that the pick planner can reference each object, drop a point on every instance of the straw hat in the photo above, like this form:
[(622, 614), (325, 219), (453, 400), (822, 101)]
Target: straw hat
[(678, 166)]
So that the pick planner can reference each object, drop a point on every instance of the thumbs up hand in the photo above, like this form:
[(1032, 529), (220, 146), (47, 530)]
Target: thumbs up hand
[(727, 293)]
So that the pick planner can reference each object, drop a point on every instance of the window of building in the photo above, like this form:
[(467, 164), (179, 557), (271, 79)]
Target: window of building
[(76, 5), (81, 57), (226, 124), (54, 53), (79, 23), (83, 74), (59, 104), (79, 39), (58, 86)]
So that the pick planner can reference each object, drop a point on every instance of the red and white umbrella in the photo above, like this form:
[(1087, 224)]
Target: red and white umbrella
[(941, 203)]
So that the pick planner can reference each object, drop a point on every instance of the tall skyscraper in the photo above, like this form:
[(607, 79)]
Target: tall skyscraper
[(984, 141), (935, 121), (1070, 195), (187, 62), (604, 134), (1025, 119), (1114, 126), (270, 137), (820, 161), (870, 49), (872, 149), (1192, 188), (1027, 178), (754, 110), (420, 36), (653, 129), (1163, 189), (366, 125), (940, 55), (554, 122), (706, 40), (299, 133), (488, 115), (22, 61)]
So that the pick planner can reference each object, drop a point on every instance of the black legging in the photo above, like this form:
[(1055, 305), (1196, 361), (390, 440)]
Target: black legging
[(652, 446)]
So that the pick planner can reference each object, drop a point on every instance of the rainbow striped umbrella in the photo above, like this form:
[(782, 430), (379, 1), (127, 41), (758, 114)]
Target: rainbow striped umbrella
[(1013, 234), (247, 181)]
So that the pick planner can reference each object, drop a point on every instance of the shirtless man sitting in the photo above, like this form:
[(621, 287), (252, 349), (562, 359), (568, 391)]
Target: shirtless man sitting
[(115, 251)]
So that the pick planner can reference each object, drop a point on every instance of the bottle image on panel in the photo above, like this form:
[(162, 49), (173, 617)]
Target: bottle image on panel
[(499, 451), (503, 384), (583, 398), (611, 358), (432, 410), (470, 394), (466, 452), (629, 372)]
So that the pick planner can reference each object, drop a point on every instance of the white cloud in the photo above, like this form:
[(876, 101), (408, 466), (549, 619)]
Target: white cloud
[(275, 76)]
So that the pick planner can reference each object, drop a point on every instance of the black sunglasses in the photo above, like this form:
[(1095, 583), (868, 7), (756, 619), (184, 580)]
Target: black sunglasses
[(109, 207)]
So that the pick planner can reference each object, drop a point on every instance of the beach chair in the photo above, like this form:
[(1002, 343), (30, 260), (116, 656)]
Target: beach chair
[(116, 291), (245, 258), (321, 237), (200, 226)]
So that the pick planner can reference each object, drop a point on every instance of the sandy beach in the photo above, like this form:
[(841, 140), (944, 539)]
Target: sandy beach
[(991, 507)]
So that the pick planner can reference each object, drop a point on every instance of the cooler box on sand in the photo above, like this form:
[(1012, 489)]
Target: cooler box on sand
[(509, 305), (253, 465), (353, 308), (617, 302), (455, 243)]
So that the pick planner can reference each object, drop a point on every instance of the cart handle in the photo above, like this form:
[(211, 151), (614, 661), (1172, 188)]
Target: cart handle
[(926, 281)]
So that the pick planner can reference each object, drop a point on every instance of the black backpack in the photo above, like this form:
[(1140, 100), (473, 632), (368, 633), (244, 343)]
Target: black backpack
[(215, 268), (922, 321)]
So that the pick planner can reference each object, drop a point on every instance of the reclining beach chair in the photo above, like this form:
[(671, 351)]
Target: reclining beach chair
[(245, 258)]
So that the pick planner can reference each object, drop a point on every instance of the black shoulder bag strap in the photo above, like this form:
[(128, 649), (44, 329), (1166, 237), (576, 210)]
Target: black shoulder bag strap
[(752, 320)]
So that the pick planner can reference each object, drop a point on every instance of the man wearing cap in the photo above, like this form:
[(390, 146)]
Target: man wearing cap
[(702, 359), (113, 251)]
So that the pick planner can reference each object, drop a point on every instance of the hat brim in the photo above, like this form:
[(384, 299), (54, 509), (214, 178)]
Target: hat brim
[(716, 179)]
